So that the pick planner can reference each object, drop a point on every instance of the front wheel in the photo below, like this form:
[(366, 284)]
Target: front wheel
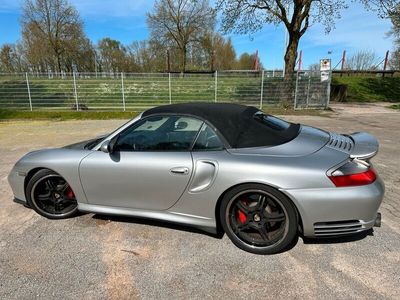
[(50, 195), (258, 219)]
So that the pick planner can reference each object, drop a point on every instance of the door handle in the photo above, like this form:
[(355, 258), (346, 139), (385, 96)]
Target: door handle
[(180, 170)]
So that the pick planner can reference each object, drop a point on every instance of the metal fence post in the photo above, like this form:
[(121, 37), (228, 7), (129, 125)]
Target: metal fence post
[(262, 89), (308, 90), (216, 86), (76, 92), (296, 89), (29, 91), (328, 92), (169, 88), (123, 92)]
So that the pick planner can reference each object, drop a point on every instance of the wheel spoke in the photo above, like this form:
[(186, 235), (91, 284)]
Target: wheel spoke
[(50, 185), (275, 216), (242, 207), (263, 232), (261, 202), (62, 187), (44, 197)]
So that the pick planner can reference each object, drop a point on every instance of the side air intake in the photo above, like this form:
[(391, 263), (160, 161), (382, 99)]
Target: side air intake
[(337, 228)]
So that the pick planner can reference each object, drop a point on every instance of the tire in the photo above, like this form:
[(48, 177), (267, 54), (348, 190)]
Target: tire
[(258, 219), (50, 195)]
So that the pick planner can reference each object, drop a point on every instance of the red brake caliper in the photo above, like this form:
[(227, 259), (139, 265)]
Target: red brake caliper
[(241, 216), (70, 193)]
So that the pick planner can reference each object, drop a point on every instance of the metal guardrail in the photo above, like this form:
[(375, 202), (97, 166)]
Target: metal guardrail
[(137, 91)]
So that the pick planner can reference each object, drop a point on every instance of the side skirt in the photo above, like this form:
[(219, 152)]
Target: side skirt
[(205, 224)]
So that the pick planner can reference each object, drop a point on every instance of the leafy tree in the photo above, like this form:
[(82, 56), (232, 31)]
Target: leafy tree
[(7, 58), (395, 32), (180, 24), (220, 52), (113, 55), (52, 33), (247, 16), (246, 62)]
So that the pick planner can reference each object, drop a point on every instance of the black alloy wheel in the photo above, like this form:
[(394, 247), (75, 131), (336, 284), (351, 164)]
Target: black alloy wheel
[(50, 195), (258, 219)]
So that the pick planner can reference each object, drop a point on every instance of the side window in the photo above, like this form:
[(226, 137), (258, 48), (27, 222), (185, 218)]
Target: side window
[(160, 133), (208, 140)]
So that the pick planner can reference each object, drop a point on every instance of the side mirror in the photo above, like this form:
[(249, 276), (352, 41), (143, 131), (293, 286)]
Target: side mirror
[(109, 145), (105, 147)]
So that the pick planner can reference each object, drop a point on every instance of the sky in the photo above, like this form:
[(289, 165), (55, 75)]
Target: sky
[(125, 20)]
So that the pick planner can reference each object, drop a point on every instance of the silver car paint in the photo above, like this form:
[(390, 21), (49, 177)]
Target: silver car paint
[(144, 186)]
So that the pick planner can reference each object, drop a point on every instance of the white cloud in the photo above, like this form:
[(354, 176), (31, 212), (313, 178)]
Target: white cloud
[(95, 8)]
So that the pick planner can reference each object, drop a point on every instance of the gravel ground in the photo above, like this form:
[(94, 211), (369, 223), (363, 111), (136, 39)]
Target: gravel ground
[(96, 257)]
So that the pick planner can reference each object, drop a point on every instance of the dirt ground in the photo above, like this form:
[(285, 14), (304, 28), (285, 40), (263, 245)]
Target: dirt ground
[(95, 257)]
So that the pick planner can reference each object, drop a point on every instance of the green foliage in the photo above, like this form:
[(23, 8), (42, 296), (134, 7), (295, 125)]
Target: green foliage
[(65, 115), (370, 89)]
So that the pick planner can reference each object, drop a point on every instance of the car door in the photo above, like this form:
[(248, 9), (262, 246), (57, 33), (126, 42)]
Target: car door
[(150, 167)]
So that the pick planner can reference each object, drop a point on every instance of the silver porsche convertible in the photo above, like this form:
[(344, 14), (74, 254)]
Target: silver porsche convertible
[(218, 167)]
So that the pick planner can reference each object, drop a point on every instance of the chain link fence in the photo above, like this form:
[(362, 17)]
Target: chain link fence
[(138, 91)]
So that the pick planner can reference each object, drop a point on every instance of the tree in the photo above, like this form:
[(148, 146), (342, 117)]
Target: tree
[(113, 56), (51, 30), (395, 32), (247, 16), (180, 24), (363, 60), (245, 62), (220, 52), (7, 58)]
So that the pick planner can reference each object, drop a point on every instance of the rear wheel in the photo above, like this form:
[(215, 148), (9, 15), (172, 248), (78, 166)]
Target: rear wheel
[(258, 219), (50, 195)]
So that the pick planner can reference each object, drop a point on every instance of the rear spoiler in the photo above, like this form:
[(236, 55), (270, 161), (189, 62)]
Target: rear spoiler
[(365, 145)]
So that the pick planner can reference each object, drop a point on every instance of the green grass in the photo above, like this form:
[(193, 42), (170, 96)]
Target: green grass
[(395, 106), (65, 115), (370, 89), (6, 114)]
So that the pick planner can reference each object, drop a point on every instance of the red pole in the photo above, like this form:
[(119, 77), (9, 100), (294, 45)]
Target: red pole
[(386, 61), (344, 60), (256, 61), (300, 60)]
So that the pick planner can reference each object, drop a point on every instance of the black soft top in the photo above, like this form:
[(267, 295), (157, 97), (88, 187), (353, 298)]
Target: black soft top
[(235, 122)]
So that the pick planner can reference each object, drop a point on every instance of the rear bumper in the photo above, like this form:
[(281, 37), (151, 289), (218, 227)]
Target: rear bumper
[(338, 211)]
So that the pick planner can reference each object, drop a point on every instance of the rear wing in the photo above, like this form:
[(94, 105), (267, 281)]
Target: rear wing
[(365, 147)]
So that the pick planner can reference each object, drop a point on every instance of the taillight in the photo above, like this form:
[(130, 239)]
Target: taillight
[(363, 178)]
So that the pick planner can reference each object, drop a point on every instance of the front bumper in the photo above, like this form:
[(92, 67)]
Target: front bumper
[(16, 179), (338, 211)]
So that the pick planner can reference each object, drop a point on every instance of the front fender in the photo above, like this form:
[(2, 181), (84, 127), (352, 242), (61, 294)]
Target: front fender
[(62, 161)]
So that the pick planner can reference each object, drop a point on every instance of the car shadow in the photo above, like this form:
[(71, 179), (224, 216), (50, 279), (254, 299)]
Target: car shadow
[(157, 223), (338, 239)]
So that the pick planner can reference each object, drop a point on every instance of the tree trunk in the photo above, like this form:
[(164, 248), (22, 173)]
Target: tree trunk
[(291, 55), (288, 88), (184, 52)]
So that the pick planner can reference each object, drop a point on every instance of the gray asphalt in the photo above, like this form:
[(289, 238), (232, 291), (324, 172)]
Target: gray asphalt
[(96, 257)]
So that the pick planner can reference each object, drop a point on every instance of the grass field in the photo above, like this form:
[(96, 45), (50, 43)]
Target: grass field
[(6, 114), (370, 89), (141, 91)]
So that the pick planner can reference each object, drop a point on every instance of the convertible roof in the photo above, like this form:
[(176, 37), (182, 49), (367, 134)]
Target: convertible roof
[(235, 122)]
